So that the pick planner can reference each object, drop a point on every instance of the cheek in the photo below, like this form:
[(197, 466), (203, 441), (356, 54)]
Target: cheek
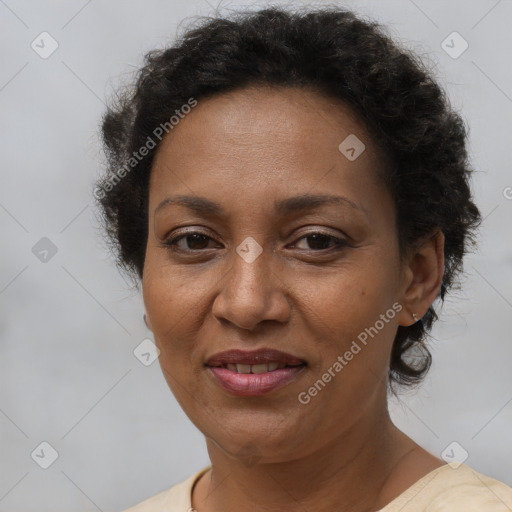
[(169, 302), (170, 294), (344, 314), (173, 303), (348, 300)]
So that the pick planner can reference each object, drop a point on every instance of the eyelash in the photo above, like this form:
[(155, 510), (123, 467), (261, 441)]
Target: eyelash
[(170, 243)]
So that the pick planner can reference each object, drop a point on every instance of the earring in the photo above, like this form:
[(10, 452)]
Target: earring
[(415, 317)]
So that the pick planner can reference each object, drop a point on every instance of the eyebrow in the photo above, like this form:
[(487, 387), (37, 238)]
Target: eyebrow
[(282, 207)]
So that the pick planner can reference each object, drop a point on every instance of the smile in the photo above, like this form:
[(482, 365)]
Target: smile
[(255, 368), (254, 373)]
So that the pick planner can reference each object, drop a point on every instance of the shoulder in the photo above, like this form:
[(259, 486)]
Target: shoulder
[(472, 490), (450, 489), (175, 499)]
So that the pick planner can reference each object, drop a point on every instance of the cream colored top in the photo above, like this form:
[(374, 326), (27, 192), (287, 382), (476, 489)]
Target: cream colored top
[(446, 489)]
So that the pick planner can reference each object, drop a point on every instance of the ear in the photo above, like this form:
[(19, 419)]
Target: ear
[(421, 278)]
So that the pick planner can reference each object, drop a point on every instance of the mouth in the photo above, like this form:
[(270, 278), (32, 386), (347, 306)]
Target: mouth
[(254, 373), (256, 368), (260, 357)]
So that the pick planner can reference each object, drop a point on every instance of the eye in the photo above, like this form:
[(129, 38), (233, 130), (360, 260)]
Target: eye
[(196, 241), (321, 241), (191, 241)]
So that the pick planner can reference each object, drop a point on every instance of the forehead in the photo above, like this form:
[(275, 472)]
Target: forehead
[(277, 117), (261, 143)]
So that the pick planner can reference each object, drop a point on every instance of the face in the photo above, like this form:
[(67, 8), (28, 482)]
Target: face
[(316, 279)]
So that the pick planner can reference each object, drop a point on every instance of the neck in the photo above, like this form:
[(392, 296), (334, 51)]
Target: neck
[(348, 473)]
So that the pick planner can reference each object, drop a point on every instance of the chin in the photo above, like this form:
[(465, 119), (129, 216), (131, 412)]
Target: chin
[(249, 444)]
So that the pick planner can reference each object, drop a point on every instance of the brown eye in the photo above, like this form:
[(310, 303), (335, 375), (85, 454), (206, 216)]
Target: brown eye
[(194, 241), (321, 241)]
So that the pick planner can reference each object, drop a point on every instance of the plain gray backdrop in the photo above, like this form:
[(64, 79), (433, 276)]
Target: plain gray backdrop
[(69, 322)]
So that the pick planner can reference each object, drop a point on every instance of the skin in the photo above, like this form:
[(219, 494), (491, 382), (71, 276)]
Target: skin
[(245, 150)]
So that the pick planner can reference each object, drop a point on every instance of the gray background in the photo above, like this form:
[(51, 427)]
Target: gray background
[(68, 326)]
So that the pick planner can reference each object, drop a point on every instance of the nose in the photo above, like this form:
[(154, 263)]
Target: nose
[(251, 292)]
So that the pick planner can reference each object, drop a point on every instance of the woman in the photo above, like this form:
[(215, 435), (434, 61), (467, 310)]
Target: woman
[(292, 191)]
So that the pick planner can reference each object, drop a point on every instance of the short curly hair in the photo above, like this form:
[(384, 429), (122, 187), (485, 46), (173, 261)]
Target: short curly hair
[(329, 50)]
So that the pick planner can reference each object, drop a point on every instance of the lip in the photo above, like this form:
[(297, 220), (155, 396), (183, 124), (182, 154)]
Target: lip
[(253, 384), (259, 356)]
